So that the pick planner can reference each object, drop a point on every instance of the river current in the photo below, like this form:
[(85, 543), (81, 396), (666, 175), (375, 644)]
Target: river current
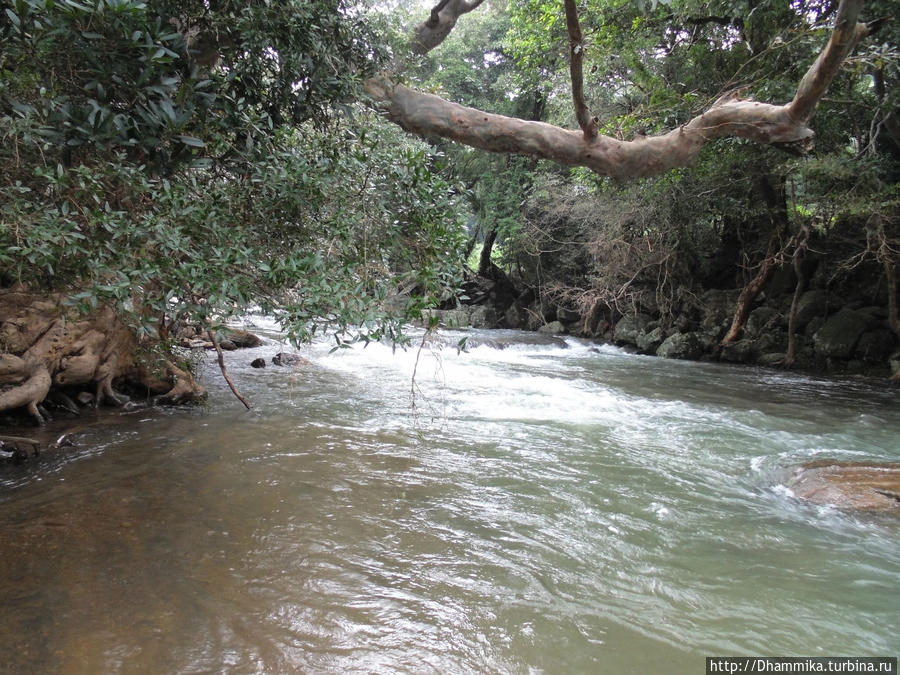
[(526, 506)]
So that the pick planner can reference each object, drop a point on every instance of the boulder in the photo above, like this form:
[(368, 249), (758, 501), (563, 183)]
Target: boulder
[(449, 318), (681, 346), (515, 316), (552, 328), (566, 315), (772, 340), (840, 333), (741, 351), (285, 359), (857, 486), (875, 346), (650, 342), (258, 363), (241, 339), (629, 328), (717, 307), (813, 303), (482, 316), (761, 319), (894, 361), (772, 359)]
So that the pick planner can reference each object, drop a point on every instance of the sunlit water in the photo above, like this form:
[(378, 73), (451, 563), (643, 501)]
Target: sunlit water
[(537, 508)]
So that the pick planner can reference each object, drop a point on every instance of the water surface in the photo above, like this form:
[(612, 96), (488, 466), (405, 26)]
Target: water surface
[(532, 508)]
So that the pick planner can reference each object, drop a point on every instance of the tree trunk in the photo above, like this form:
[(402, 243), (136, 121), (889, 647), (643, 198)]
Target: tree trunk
[(802, 282), (749, 293), (485, 264)]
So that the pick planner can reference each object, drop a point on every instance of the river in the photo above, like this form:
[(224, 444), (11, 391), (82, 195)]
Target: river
[(537, 506)]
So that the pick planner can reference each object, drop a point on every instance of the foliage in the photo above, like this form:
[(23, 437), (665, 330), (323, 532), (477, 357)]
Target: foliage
[(185, 161)]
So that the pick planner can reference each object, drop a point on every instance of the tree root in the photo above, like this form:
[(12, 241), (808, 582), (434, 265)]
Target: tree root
[(29, 393), (184, 390)]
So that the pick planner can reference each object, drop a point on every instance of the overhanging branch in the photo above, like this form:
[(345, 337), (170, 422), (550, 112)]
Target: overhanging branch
[(782, 125)]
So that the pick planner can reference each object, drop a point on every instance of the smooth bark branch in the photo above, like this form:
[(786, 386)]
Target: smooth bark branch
[(846, 35), (440, 22), (576, 73), (782, 125), (428, 115)]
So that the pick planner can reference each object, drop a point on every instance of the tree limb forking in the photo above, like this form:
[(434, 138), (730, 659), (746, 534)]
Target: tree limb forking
[(783, 125)]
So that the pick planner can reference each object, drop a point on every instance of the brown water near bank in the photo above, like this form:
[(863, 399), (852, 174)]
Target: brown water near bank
[(544, 509)]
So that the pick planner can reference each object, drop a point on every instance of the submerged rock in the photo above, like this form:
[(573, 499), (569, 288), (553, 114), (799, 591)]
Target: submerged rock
[(857, 486)]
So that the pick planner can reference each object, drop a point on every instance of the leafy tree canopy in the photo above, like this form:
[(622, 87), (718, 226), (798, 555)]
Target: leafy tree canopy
[(186, 160)]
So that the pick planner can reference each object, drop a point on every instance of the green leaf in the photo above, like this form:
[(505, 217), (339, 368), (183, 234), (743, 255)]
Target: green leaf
[(192, 141)]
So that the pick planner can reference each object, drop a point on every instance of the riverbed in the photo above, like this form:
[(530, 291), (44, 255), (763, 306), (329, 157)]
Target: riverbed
[(525, 506)]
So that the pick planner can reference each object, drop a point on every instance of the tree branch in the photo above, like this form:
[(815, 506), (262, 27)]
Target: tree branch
[(221, 359), (434, 30), (576, 59), (782, 125), (846, 35)]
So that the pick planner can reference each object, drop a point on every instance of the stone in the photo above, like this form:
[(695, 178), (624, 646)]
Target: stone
[(258, 363), (681, 346), (552, 328), (482, 316), (242, 339), (840, 333), (894, 360), (812, 304), (741, 351), (772, 341), (717, 307), (857, 486), (227, 345), (650, 342), (84, 398), (772, 359), (449, 318), (566, 315), (514, 316), (285, 359), (760, 319), (875, 346), (629, 328)]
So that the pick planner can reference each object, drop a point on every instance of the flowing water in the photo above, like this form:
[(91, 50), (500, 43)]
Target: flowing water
[(543, 507)]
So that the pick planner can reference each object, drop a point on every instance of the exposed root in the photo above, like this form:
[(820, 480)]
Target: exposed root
[(29, 393), (185, 388)]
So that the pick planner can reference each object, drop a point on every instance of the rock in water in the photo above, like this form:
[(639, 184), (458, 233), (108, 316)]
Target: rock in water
[(855, 486), (285, 359)]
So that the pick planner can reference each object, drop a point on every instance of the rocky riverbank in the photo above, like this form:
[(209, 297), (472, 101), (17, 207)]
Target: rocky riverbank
[(833, 334)]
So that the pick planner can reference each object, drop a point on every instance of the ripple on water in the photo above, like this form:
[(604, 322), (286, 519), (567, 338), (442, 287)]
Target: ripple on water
[(544, 509)]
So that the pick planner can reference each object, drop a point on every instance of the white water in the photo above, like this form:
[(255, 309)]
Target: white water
[(541, 508)]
